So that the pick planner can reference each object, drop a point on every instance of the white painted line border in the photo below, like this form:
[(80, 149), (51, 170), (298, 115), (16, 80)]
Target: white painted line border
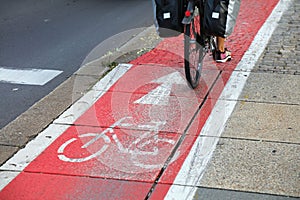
[(27, 76), (6, 177), (76, 110), (14, 166), (195, 164)]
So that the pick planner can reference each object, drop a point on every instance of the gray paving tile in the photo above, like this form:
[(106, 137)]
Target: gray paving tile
[(252, 166), (270, 87), (215, 194), (263, 121)]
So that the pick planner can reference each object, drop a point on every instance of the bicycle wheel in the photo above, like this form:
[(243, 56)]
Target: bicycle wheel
[(193, 51)]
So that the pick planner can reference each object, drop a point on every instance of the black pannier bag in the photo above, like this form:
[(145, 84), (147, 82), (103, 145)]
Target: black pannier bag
[(220, 17), (169, 15)]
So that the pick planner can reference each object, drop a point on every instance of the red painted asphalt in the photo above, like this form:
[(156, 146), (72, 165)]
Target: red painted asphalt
[(147, 112)]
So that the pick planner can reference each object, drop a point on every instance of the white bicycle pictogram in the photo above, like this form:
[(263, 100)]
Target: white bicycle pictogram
[(138, 149)]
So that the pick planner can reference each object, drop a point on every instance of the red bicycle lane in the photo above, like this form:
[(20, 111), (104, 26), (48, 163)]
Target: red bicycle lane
[(130, 132)]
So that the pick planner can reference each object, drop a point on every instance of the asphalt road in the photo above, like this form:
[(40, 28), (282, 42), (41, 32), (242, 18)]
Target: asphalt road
[(57, 35)]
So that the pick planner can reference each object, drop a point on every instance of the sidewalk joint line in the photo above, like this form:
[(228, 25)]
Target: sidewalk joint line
[(181, 139)]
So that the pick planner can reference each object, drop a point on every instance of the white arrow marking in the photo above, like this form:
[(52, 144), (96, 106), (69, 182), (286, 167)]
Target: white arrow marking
[(161, 94)]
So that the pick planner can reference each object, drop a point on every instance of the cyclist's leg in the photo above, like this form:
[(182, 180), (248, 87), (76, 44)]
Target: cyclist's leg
[(200, 4), (154, 14), (222, 54), (221, 44)]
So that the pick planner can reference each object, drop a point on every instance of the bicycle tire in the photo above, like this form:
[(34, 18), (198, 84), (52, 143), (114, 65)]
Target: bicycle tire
[(193, 52)]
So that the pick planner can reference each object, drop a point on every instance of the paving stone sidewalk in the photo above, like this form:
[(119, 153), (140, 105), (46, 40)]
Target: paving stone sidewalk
[(259, 151)]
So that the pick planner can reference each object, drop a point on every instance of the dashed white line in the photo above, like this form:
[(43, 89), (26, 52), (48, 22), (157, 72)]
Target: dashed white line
[(27, 76)]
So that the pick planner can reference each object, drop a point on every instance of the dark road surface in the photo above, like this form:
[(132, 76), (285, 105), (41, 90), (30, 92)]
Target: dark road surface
[(57, 35)]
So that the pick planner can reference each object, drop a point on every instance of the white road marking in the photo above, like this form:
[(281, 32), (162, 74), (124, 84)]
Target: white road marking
[(195, 164), (161, 94), (27, 76), (6, 177)]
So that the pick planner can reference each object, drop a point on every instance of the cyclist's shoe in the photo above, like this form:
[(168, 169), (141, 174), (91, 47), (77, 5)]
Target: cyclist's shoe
[(222, 57)]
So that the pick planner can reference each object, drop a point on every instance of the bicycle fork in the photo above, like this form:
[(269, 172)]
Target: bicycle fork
[(189, 13)]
